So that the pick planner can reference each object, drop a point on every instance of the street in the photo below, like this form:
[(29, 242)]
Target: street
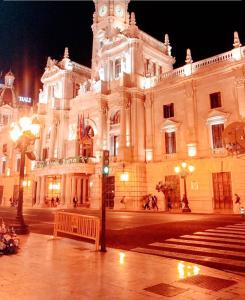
[(213, 240)]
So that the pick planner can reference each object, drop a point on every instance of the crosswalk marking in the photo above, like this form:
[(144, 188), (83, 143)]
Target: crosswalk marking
[(221, 246), (232, 229), (219, 234), (225, 231), (192, 257), (198, 249), (207, 243), (210, 238)]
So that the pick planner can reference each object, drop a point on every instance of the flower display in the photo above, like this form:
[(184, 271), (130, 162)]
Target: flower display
[(9, 242)]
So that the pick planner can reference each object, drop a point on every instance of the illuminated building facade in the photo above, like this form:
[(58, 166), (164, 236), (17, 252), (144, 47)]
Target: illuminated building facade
[(11, 109), (148, 114)]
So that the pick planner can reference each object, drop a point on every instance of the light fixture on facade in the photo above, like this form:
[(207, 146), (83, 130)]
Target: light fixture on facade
[(91, 183), (148, 154), (124, 175), (8, 172), (54, 186), (192, 150)]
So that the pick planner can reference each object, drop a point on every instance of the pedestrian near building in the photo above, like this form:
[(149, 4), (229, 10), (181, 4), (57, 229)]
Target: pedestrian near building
[(237, 203), (75, 200)]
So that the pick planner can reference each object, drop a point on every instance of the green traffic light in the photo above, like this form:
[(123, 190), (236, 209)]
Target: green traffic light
[(105, 170)]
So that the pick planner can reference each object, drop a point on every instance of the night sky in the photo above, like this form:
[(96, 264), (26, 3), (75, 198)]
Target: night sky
[(32, 31)]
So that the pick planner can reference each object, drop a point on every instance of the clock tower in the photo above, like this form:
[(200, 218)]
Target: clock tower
[(110, 17)]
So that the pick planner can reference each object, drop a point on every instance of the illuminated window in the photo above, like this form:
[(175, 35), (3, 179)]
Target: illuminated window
[(168, 111), (170, 142), (215, 100), (217, 131)]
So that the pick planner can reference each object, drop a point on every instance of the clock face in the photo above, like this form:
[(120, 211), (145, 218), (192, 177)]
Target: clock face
[(119, 11), (102, 10)]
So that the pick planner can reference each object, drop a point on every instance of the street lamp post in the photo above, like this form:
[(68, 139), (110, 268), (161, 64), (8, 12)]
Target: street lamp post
[(184, 170), (24, 134)]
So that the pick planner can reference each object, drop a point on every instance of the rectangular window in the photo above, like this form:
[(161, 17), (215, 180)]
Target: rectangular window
[(3, 166), (117, 68), (170, 142), (215, 100), (168, 111), (45, 153), (217, 131), (114, 145), (5, 148)]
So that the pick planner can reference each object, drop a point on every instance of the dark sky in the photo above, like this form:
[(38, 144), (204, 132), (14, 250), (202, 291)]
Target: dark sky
[(32, 31)]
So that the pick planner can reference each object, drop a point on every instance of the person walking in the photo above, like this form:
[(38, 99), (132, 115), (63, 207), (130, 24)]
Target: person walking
[(237, 202), (169, 204), (75, 200)]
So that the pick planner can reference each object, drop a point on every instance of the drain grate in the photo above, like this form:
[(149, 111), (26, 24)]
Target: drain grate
[(209, 282), (165, 290)]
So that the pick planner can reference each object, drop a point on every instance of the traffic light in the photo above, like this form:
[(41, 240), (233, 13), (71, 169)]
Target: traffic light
[(105, 166)]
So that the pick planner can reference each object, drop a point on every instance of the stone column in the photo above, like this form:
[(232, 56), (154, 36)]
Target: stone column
[(63, 189), (122, 144), (38, 190), (190, 113), (73, 186), (79, 192), (52, 141), (42, 191), (240, 92), (68, 196)]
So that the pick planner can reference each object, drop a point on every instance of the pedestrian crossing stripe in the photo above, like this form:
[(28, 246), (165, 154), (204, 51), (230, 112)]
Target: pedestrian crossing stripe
[(198, 249), (219, 234), (211, 238), (192, 257), (207, 243), (225, 231)]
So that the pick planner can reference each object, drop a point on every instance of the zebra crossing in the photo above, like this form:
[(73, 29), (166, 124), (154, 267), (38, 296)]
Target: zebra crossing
[(220, 247)]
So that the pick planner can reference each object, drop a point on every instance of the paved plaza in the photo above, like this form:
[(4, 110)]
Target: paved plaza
[(67, 269)]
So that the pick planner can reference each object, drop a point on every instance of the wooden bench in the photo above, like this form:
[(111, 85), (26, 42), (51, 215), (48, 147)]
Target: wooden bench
[(79, 225)]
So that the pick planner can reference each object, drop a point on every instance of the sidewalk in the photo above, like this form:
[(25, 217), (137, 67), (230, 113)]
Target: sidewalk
[(64, 269)]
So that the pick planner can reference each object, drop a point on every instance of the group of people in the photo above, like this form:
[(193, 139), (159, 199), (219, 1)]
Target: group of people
[(13, 202), (150, 202), (55, 202)]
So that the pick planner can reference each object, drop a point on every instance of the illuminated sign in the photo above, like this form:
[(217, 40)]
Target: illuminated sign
[(27, 100)]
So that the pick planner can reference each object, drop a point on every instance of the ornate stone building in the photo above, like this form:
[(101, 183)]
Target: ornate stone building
[(149, 115)]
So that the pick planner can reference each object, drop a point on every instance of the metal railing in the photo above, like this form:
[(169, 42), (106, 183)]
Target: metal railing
[(79, 225)]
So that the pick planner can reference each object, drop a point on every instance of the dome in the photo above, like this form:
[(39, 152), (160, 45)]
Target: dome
[(9, 79)]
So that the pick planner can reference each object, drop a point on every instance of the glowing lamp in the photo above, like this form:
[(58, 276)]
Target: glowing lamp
[(191, 168), (25, 123), (183, 164), (15, 133), (124, 176), (177, 169)]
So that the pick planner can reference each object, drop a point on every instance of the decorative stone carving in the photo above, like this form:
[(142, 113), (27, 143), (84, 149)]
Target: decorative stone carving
[(236, 43), (188, 59)]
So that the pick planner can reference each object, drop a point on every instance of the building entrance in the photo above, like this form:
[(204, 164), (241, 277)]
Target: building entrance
[(109, 191), (174, 193), (222, 190)]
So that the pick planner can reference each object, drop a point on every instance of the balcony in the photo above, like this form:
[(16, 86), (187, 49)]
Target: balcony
[(77, 164)]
